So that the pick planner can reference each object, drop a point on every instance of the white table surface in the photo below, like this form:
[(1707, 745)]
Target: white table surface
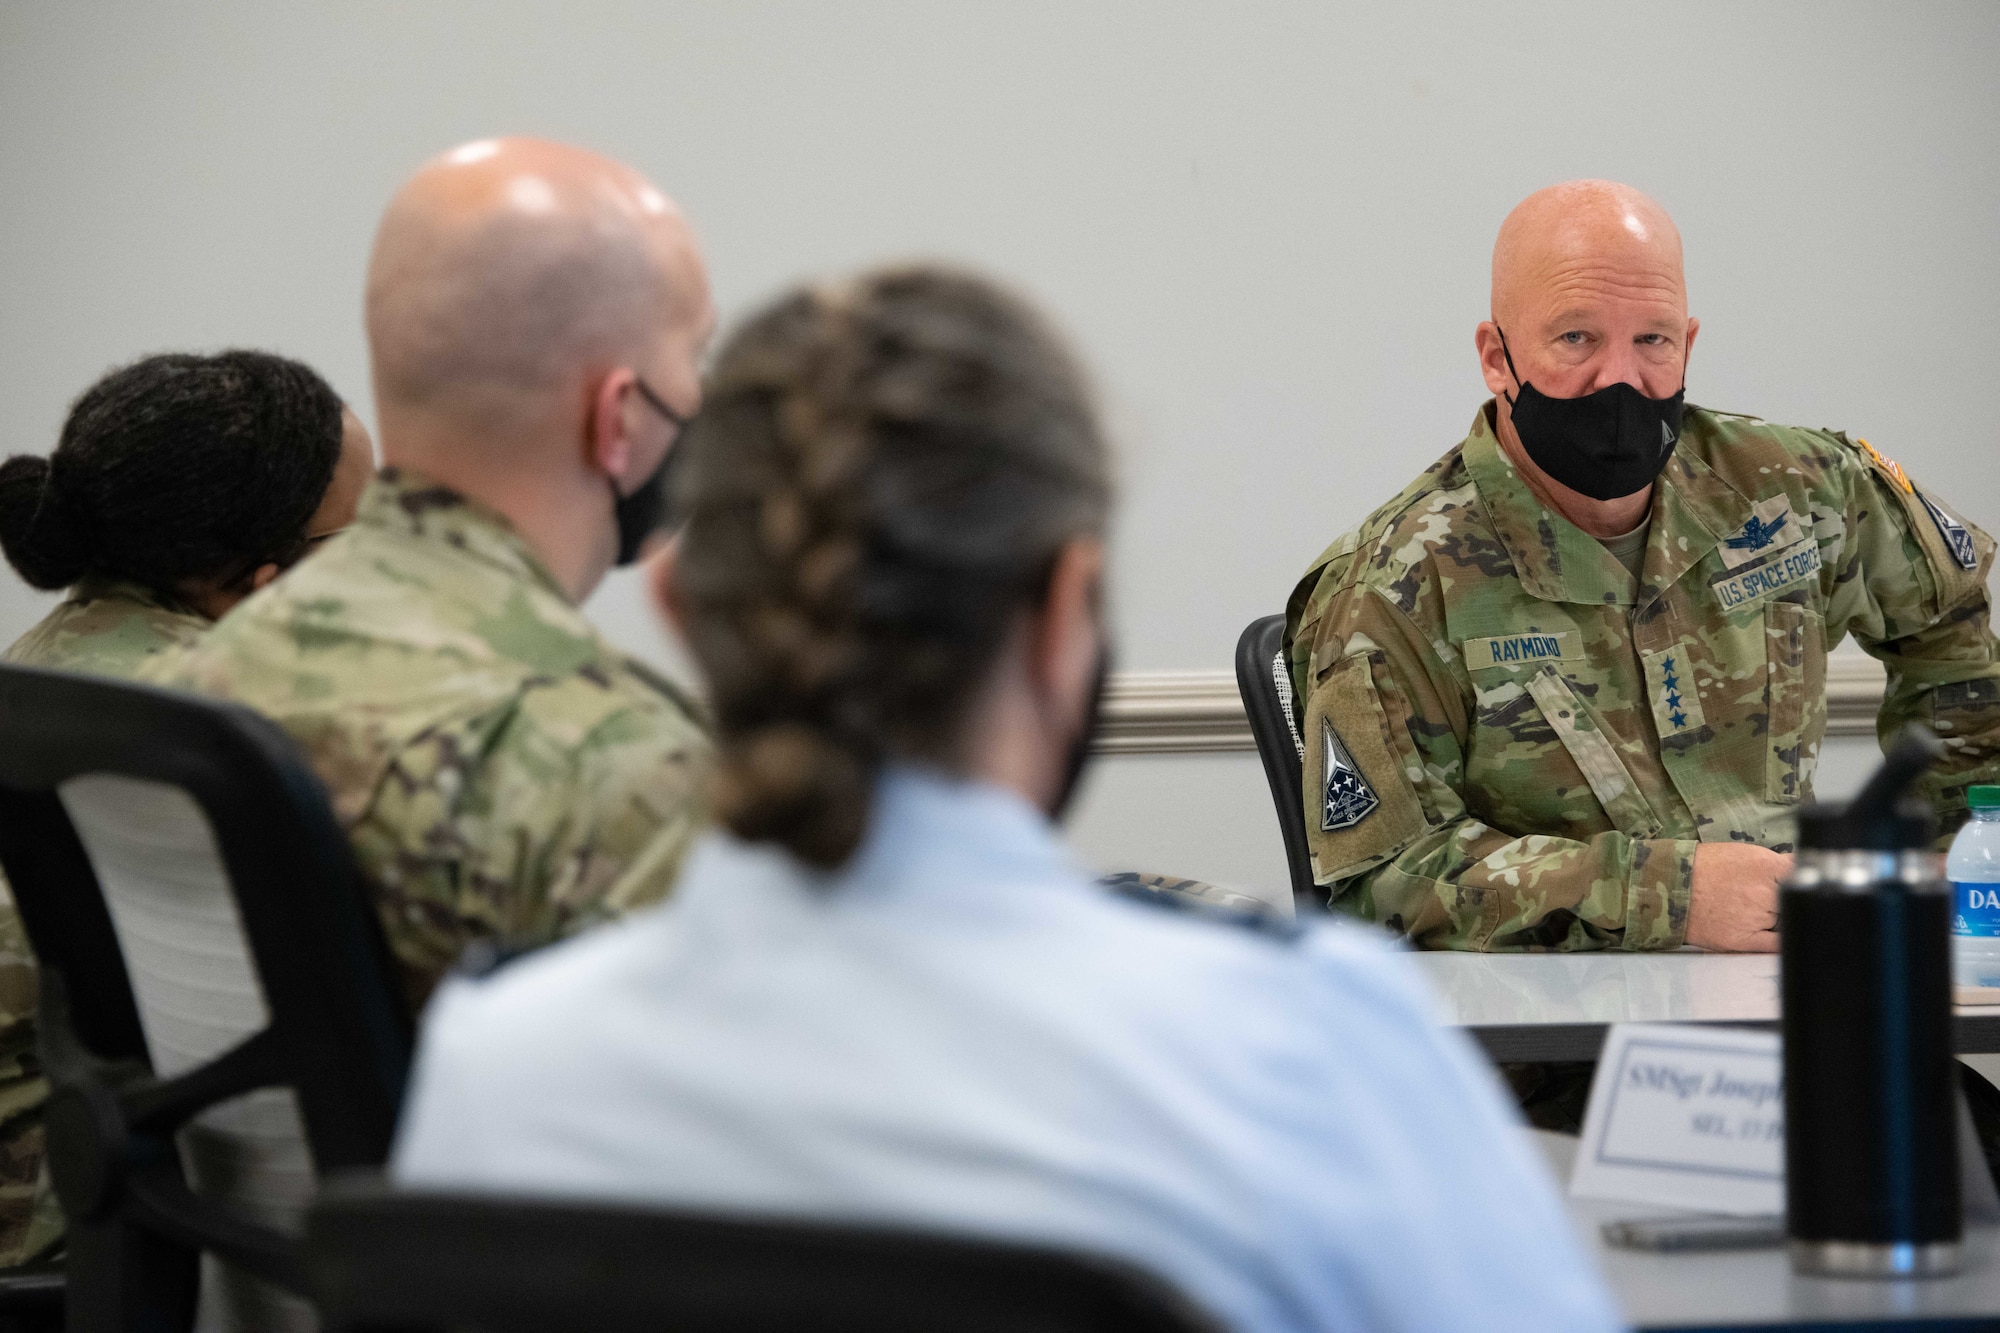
[(1686, 986), (1758, 1286), (1554, 1006)]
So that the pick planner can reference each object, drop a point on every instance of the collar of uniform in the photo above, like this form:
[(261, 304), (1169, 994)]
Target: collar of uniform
[(405, 501), (1554, 559), (930, 835), (1693, 508), (98, 588)]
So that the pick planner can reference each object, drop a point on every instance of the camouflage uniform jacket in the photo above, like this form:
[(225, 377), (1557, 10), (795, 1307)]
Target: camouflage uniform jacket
[(107, 628), (497, 764), (1512, 743)]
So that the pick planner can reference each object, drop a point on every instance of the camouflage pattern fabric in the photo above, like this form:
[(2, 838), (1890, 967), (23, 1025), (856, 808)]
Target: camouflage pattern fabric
[(1513, 743), (497, 764), (107, 628)]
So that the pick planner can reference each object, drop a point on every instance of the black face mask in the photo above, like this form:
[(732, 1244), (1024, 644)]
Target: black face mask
[(1079, 748), (1604, 444), (640, 514), (643, 512)]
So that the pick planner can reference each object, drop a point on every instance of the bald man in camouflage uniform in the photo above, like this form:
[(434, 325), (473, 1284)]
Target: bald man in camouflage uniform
[(495, 762), (1522, 733), (536, 316)]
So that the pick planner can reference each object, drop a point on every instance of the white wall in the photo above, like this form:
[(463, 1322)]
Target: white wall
[(1267, 224)]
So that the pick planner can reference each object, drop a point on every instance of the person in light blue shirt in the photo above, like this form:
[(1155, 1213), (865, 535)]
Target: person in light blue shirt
[(884, 990)]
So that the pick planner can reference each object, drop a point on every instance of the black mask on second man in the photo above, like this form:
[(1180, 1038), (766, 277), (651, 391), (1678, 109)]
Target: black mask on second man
[(640, 514), (643, 512), (1604, 444)]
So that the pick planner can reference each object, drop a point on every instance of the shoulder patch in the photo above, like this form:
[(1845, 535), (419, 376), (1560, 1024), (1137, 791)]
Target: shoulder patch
[(1888, 467), (1956, 536), (1345, 796), (1360, 807)]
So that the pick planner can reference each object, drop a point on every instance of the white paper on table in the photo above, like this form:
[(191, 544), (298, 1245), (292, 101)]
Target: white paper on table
[(1686, 1116)]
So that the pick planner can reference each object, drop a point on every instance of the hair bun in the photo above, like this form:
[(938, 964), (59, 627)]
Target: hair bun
[(796, 785), (37, 532)]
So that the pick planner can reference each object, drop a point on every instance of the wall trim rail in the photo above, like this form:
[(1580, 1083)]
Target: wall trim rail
[(1199, 712)]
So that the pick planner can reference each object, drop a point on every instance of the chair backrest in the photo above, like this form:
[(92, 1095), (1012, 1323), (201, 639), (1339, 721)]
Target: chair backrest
[(384, 1259), (217, 1008), (1264, 680)]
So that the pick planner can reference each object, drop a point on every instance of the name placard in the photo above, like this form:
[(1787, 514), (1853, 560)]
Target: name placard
[(1686, 1116)]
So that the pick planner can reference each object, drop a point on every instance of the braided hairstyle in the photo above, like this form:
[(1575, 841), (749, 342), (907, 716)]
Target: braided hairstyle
[(881, 478), (173, 469)]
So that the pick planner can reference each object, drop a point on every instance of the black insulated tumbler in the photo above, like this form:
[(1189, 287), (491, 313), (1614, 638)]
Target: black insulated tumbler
[(1871, 1148)]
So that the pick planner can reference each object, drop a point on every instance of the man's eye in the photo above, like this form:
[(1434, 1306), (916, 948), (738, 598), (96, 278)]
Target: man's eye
[(1576, 338)]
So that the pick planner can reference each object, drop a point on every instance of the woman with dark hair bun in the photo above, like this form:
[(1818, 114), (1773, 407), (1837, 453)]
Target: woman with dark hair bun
[(884, 990), (180, 485)]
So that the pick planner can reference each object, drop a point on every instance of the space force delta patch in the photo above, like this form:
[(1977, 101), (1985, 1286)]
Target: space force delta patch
[(1954, 533), (1345, 798), (1782, 571)]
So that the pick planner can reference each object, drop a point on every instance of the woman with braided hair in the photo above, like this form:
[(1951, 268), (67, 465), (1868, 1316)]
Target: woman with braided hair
[(883, 989), (181, 484)]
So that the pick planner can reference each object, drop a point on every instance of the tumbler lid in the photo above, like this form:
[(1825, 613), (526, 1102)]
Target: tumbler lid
[(1909, 827), (1982, 797), (1882, 817)]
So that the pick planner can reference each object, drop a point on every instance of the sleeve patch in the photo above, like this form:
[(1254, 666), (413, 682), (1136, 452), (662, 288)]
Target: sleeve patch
[(1956, 537), (1360, 807), (1888, 467)]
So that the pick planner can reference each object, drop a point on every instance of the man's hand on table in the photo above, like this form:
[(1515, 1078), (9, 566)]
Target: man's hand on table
[(1733, 900)]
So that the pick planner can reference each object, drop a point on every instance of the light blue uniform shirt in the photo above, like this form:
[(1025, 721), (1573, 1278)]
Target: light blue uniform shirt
[(960, 1029)]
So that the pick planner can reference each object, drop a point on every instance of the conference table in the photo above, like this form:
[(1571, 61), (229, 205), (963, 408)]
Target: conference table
[(1549, 1006), (1529, 1007), (1757, 1288)]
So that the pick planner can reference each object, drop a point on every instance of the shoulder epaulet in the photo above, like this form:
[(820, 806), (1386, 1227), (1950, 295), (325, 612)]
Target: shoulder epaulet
[(1207, 901)]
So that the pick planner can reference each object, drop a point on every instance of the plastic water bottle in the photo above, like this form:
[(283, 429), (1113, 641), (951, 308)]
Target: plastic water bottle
[(1974, 870)]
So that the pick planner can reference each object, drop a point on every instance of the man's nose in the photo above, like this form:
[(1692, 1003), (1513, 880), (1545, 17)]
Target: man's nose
[(1622, 364)]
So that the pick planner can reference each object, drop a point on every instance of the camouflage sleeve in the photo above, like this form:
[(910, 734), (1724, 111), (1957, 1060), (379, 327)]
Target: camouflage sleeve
[(520, 827), (1395, 837), (31, 1222), (1910, 586)]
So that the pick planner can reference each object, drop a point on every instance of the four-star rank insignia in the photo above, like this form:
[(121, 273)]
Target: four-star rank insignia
[(1345, 798)]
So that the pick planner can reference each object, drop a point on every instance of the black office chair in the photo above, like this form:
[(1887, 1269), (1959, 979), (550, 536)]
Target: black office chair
[(1265, 682), (413, 1261), (219, 1022)]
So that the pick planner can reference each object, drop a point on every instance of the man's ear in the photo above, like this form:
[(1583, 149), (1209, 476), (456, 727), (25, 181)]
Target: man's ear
[(661, 571), (1066, 641), (607, 432), (1687, 347), (1492, 359), (262, 575)]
